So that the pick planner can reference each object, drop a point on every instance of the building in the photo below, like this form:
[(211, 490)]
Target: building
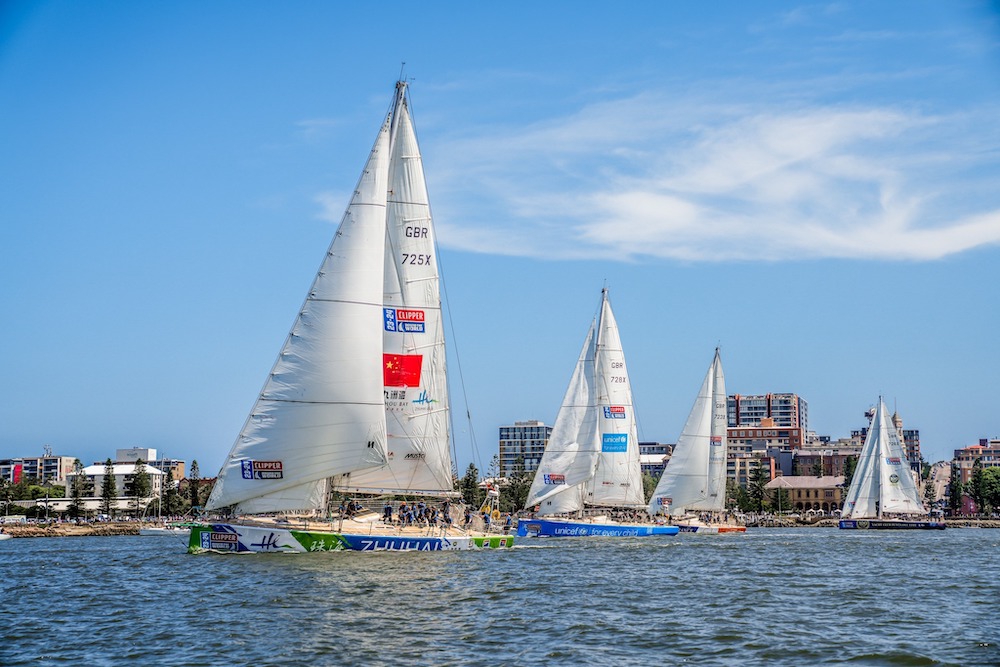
[(784, 410), (824, 494), (46, 468), (987, 452), (653, 457), (830, 462), (524, 440), (149, 456), (746, 440)]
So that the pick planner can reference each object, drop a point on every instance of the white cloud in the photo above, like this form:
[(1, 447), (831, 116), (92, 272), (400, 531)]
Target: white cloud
[(653, 177)]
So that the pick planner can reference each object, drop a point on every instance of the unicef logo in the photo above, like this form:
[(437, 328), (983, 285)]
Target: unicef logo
[(894, 478)]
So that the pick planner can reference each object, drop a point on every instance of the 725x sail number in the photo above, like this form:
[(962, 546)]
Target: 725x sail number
[(414, 258)]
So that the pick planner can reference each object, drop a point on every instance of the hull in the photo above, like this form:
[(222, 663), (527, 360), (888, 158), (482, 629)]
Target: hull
[(711, 529), (235, 538), (555, 528), (164, 532), (889, 524), (4, 536)]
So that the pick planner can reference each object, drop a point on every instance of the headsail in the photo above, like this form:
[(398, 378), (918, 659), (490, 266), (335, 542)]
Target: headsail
[(321, 412), (592, 457), (416, 388), (882, 481), (695, 477)]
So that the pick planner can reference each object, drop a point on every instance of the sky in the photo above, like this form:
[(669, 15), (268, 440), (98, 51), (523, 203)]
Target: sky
[(813, 187)]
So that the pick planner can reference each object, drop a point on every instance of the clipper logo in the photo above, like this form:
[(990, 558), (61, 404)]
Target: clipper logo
[(614, 442), (403, 320), (261, 469), (554, 479), (220, 541), (614, 412), (893, 460), (715, 441), (660, 500)]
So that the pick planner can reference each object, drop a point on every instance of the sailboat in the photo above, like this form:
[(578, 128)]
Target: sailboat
[(592, 457), (692, 488), (883, 494), (357, 401)]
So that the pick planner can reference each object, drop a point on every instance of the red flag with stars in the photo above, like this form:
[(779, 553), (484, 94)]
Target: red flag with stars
[(401, 370)]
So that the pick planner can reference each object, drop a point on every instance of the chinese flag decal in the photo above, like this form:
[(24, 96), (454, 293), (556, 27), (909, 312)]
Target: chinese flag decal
[(401, 370)]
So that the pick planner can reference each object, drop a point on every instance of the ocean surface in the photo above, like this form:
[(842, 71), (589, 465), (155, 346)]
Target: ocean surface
[(801, 596)]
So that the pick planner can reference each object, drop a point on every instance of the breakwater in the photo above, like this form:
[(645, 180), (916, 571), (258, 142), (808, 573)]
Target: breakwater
[(71, 529)]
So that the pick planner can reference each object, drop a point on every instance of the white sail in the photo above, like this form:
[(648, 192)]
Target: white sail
[(322, 412), (617, 480), (694, 479), (592, 457), (882, 481), (417, 405)]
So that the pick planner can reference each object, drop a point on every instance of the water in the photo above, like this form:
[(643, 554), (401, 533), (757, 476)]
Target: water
[(769, 597)]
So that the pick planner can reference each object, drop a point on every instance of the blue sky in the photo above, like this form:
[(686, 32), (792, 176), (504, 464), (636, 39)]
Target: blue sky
[(814, 187)]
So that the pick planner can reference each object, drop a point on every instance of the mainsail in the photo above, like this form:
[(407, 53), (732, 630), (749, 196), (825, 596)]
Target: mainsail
[(358, 392), (882, 481), (694, 479), (592, 457)]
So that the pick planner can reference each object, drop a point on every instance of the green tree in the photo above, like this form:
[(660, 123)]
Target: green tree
[(850, 465), (171, 502), (759, 477), (109, 491), (648, 485), (955, 490), (468, 486), (930, 494), (515, 493), (990, 481), (78, 487), (817, 468), (194, 481), (780, 501), (141, 486), (975, 486)]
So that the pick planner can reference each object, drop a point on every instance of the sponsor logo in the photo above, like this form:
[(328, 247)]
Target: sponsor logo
[(554, 479), (424, 399), (893, 460), (660, 500), (417, 456), (614, 442), (715, 441), (261, 469), (614, 412), (894, 478), (220, 541), (403, 320)]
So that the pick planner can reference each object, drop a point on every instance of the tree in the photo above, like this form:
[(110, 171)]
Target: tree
[(930, 493), (77, 488), (141, 485), (780, 502), (975, 486), (759, 477), (169, 498), (955, 490), (850, 465), (468, 486), (515, 493), (990, 481), (817, 468), (109, 491), (648, 485), (194, 481)]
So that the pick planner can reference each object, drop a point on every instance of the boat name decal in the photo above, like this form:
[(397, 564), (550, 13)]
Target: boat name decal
[(396, 544), (614, 442), (261, 469), (554, 479), (614, 412), (403, 320)]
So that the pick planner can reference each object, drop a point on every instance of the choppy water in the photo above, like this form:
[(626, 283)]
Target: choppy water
[(769, 597)]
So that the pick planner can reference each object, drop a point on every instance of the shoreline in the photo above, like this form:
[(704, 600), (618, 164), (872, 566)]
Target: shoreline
[(131, 528)]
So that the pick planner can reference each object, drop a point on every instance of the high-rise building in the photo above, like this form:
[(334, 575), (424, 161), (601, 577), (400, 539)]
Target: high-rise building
[(785, 410), (524, 440)]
